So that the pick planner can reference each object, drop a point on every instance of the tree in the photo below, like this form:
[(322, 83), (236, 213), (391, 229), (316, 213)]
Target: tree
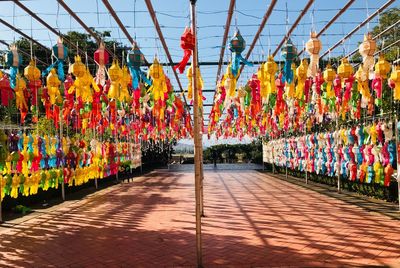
[(387, 19)]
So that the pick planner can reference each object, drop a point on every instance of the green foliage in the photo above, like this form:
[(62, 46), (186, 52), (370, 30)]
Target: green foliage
[(251, 152), (386, 19)]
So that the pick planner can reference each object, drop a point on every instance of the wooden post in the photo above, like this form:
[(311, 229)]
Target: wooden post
[(62, 165), (338, 157), (1, 201), (398, 160), (197, 141)]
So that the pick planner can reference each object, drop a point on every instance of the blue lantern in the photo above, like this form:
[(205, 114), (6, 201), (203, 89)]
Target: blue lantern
[(289, 53), (60, 52), (236, 46), (134, 60), (13, 61)]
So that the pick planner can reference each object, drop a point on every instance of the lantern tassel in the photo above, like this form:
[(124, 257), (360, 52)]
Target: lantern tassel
[(60, 69), (13, 76), (136, 75), (182, 64), (237, 58), (288, 72)]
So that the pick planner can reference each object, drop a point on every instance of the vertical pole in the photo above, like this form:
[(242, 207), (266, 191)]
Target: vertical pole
[(62, 164), (305, 144), (338, 157), (1, 201), (197, 140), (287, 156), (397, 158)]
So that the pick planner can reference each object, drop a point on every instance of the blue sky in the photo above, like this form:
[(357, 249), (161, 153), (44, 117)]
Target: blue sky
[(173, 15)]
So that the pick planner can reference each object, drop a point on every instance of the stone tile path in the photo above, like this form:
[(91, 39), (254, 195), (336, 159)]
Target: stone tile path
[(252, 220)]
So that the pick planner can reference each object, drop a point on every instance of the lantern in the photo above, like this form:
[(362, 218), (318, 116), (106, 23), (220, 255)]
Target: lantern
[(289, 53), (32, 73), (367, 49), (301, 74), (53, 84), (394, 82), (78, 68), (236, 46), (187, 44), (345, 70), (134, 59), (13, 61), (60, 52), (159, 86), (313, 47), (101, 57), (125, 80), (270, 69), (115, 74), (382, 67), (329, 76), (6, 91), (20, 96)]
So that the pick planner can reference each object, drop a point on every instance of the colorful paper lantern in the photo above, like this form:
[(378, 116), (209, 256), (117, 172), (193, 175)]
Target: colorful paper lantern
[(236, 46), (13, 61), (313, 47), (187, 44), (60, 52)]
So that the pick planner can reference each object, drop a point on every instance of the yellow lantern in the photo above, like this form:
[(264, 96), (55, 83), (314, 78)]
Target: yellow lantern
[(78, 68), (31, 72), (115, 74), (329, 76), (382, 67), (53, 84), (301, 74), (313, 47), (395, 79), (125, 80), (270, 69), (345, 70), (159, 85)]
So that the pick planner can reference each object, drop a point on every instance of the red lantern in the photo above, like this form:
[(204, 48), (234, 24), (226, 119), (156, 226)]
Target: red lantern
[(101, 57), (187, 44), (6, 92)]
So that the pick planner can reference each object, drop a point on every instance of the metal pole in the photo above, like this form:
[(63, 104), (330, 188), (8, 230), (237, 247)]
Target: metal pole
[(197, 140)]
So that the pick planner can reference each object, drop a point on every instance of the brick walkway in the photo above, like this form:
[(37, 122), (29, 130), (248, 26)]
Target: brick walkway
[(252, 220)]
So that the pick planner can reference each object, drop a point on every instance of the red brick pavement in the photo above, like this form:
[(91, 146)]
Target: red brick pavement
[(253, 220)]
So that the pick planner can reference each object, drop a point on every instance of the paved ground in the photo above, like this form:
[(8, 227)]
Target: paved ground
[(253, 220)]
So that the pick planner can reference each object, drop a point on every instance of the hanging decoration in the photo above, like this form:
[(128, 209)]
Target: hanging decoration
[(367, 50), (382, 68), (101, 57), (134, 60), (313, 47), (394, 82), (289, 53), (13, 61), (60, 52), (6, 92), (237, 46), (21, 96), (187, 44)]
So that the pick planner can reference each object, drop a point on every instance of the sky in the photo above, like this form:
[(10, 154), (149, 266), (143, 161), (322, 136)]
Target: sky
[(173, 16)]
